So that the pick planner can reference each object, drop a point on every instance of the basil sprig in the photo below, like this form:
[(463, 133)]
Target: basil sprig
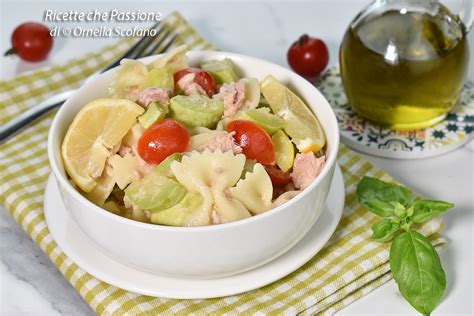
[(414, 262)]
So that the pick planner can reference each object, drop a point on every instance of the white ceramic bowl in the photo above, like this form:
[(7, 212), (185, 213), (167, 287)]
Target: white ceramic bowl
[(200, 252)]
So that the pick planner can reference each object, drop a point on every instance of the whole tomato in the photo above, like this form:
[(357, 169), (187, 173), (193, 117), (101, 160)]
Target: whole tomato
[(308, 56), (31, 41)]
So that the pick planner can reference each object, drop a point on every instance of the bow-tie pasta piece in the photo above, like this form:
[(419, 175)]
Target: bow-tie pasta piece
[(175, 60), (128, 77), (211, 174), (199, 172), (255, 191), (105, 185), (227, 208)]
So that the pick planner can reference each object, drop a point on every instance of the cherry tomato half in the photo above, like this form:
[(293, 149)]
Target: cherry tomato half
[(162, 139), (202, 78), (308, 56), (278, 177), (255, 142), (31, 41)]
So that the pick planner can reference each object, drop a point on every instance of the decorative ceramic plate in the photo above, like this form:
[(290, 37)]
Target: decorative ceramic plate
[(89, 257), (456, 130)]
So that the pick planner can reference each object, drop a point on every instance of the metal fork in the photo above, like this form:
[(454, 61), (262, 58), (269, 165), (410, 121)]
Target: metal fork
[(146, 46)]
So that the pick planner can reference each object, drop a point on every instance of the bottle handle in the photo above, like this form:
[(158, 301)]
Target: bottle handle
[(466, 13)]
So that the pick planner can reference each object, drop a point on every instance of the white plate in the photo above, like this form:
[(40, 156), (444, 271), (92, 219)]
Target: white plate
[(90, 258)]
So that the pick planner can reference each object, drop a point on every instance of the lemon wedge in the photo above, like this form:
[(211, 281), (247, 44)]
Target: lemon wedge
[(92, 135), (300, 123), (284, 151)]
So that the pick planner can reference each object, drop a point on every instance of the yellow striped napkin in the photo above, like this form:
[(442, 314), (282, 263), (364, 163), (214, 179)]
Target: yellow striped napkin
[(350, 266)]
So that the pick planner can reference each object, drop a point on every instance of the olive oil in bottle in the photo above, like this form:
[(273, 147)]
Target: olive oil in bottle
[(404, 70)]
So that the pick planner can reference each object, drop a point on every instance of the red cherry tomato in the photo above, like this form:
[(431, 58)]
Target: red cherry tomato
[(162, 139), (255, 142), (202, 78), (308, 56), (279, 178), (31, 41)]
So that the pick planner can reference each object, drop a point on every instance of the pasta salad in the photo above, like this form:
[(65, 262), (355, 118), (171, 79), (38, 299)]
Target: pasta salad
[(192, 146)]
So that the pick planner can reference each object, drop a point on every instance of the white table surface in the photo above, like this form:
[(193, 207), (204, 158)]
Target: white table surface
[(30, 283)]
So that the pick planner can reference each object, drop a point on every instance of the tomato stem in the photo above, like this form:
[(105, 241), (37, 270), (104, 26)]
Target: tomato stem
[(11, 51), (302, 39)]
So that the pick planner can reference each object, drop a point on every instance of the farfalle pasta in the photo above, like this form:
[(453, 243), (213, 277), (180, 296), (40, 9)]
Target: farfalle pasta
[(255, 191), (212, 175)]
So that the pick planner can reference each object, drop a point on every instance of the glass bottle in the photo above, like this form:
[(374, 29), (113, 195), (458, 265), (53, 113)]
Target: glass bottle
[(403, 62)]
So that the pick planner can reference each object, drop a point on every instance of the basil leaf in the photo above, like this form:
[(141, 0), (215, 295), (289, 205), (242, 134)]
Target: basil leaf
[(378, 196), (424, 210), (384, 230), (417, 270)]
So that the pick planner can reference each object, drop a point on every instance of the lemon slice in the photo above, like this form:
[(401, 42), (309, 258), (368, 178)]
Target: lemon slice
[(284, 151), (94, 132), (300, 123)]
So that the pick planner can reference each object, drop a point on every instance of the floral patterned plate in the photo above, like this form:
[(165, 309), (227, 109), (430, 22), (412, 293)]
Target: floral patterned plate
[(456, 130)]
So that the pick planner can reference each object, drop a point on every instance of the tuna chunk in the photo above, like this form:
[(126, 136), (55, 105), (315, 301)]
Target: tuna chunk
[(187, 84), (233, 96), (306, 168), (225, 142), (155, 94)]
